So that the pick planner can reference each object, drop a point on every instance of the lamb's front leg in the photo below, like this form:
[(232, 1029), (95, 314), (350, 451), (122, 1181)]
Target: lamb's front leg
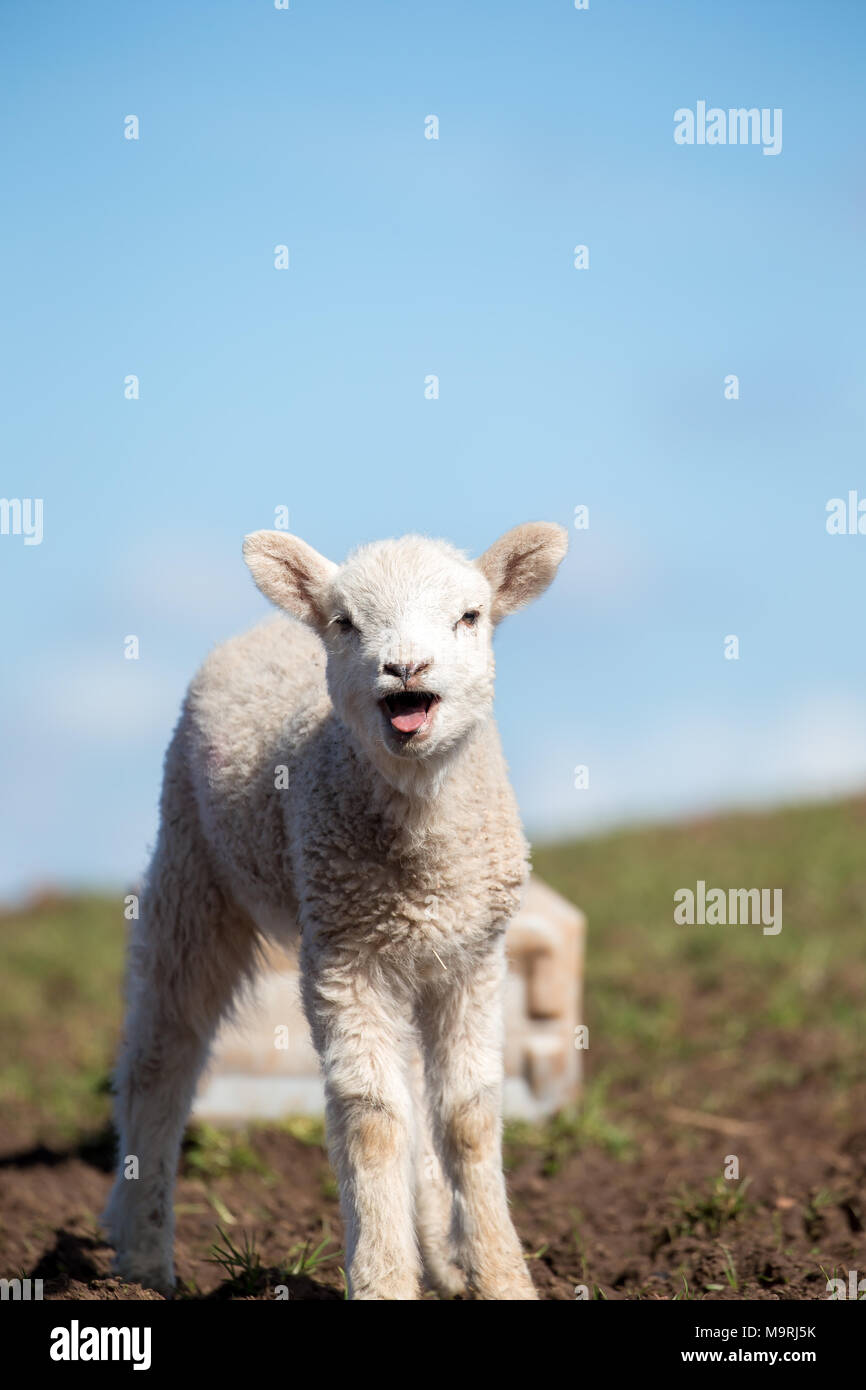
[(360, 1031), (462, 1027)]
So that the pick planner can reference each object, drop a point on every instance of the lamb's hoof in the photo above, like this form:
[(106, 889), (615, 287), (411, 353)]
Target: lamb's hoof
[(511, 1288), (446, 1279), (522, 1292), (389, 1289), (150, 1275)]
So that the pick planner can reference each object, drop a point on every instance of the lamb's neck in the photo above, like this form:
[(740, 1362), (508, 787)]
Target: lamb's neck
[(418, 793)]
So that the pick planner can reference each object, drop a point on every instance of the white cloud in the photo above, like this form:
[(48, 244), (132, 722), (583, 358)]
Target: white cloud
[(815, 748)]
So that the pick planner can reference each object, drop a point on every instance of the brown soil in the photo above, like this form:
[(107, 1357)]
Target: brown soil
[(625, 1228)]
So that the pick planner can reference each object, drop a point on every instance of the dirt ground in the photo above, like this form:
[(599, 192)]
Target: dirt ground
[(640, 1226), (719, 1151)]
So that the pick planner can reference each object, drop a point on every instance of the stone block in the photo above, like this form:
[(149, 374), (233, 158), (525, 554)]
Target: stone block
[(252, 1078)]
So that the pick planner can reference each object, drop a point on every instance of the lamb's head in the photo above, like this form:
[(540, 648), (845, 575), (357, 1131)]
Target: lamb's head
[(407, 625)]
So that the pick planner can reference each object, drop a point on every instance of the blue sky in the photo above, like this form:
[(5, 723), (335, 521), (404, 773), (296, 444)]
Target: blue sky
[(558, 387)]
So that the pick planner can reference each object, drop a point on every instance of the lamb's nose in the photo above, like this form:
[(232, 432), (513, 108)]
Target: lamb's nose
[(405, 673)]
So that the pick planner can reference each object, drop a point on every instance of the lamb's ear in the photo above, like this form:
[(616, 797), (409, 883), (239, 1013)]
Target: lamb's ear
[(521, 564), (291, 574)]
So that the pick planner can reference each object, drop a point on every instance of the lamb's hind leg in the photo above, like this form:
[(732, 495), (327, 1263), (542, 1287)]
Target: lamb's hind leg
[(187, 955), (433, 1200)]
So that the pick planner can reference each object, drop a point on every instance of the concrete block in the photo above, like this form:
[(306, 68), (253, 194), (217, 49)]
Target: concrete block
[(264, 1066)]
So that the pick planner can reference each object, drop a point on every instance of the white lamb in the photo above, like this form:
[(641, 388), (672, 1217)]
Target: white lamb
[(345, 775)]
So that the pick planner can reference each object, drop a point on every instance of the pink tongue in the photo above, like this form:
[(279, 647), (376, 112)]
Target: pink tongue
[(407, 721)]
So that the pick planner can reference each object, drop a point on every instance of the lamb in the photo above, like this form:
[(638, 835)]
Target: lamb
[(338, 769)]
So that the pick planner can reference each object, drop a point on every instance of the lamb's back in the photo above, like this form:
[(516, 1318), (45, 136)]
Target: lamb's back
[(249, 711)]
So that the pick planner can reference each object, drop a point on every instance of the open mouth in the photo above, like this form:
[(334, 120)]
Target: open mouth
[(409, 711)]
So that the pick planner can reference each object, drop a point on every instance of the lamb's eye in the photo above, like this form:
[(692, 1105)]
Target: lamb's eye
[(344, 624), (470, 618)]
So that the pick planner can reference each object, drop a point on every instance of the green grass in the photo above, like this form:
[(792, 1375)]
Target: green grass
[(730, 1271), (307, 1129), (240, 1261), (61, 974), (306, 1260), (660, 995), (708, 1212), (211, 1153), (569, 1131)]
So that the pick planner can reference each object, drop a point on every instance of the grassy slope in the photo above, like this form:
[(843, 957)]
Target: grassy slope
[(61, 968), (660, 995)]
